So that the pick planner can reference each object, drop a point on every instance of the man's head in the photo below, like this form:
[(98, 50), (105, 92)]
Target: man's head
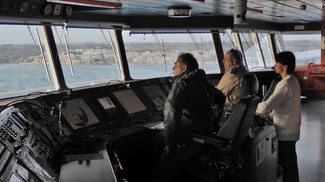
[(285, 62), (185, 62), (231, 58)]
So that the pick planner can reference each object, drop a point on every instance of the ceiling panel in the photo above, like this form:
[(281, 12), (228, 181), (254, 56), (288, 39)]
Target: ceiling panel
[(271, 11)]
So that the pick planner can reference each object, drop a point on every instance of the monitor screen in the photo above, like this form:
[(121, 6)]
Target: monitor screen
[(157, 96), (78, 114), (130, 101), (106, 103)]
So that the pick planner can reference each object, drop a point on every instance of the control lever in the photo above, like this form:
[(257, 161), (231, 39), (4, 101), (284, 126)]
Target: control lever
[(266, 120), (60, 115)]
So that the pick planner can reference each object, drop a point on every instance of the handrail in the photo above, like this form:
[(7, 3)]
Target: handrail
[(313, 71), (315, 67)]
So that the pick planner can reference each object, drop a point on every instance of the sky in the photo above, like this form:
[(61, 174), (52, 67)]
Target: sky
[(19, 34)]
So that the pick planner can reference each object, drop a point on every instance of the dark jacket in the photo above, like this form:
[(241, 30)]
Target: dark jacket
[(188, 106)]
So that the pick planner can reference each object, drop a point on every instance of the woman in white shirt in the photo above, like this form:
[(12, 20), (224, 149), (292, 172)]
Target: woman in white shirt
[(283, 106)]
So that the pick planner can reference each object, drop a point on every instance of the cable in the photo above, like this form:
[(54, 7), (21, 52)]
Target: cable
[(21, 100), (161, 47), (230, 39)]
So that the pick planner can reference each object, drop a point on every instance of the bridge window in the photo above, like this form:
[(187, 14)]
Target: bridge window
[(154, 54), (279, 42), (90, 53), (251, 51), (227, 41), (22, 69), (305, 47), (266, 50)]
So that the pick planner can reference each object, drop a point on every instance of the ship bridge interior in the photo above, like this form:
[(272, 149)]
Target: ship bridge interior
[(84, 84)]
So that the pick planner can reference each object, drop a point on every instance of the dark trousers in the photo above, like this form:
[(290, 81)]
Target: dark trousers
[(171, 163), (288, 160)]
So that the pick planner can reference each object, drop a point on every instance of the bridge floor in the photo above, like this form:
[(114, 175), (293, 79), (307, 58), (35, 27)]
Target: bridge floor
[(311, 146)]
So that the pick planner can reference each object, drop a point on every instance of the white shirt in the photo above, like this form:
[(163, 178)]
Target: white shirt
[(284, 106)]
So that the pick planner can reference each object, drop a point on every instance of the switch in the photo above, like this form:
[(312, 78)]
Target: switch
[(22, 137), (17, 147)]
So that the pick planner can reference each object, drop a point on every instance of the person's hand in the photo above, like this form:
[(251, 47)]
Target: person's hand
[(266, 116), (263, 115), (167, 149)]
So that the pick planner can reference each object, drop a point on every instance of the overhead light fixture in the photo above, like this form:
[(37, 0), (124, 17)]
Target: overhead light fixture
[(179, 11), (303, 7), (240, 10), (90, 3), (254, 11), (301, 21)]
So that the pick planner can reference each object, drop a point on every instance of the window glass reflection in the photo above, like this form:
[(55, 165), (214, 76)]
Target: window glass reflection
[(154, 55), (91, 55), (307, 48), (22, 69)]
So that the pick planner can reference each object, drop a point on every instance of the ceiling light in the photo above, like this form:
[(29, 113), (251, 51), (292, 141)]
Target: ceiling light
[(254, 11), (179, 11), (301, 21)]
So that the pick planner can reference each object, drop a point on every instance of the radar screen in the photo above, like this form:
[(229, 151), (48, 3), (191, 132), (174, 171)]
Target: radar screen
[(107, 104), (130, 101), (78, 114), (157, 96)]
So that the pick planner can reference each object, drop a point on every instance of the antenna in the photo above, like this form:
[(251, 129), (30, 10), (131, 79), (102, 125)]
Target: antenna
[(68, 54), (43, 56), (161, 48), (30, 32), (200, 50), (113, 48), (57, 34)]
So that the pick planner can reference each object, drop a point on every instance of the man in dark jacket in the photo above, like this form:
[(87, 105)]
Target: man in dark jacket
[(187, 109)]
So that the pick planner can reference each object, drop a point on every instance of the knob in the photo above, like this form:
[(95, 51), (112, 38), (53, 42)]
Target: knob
[(33, 145), (17, 147), (11, 139), (36, 140), (22, 136)]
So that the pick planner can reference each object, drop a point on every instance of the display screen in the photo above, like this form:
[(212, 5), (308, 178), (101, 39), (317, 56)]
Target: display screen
[(106, 103), (130, 101), (157, 96), (78, 114)]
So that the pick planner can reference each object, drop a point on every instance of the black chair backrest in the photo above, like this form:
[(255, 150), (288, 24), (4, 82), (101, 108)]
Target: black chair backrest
[(253, 100), (250, 84), (247, 122), (231, 127), (270, 91)]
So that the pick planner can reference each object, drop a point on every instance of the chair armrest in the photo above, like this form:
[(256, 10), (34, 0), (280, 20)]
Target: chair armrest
[(263, 120), (212, 140)]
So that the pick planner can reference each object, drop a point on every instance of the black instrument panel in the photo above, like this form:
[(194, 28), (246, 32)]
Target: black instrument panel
[(34, 134)]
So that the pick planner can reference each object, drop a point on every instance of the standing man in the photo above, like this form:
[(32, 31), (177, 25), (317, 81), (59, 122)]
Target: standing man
[(230, 81), (187, 109), (284, 107)]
